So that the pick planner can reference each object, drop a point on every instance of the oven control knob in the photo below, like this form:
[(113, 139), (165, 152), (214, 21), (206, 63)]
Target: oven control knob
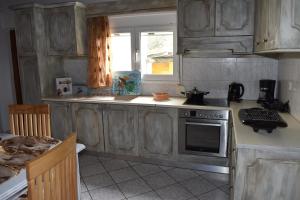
[(221, 116), (193, 113), (186, 114)]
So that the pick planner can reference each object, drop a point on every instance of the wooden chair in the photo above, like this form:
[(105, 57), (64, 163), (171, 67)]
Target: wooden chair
[(30, 120), (53, 175)]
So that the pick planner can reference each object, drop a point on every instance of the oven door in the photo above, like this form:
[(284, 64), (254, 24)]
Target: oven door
[(203, 137)]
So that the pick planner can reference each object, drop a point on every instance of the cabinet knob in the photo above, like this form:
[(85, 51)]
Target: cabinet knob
[(265, 40), (257, 43)]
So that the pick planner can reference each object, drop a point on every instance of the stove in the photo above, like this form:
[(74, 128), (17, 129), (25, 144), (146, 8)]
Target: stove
[(209, 102)]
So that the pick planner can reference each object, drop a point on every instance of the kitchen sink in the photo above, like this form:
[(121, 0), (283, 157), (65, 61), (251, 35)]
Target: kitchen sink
[(110, 98)]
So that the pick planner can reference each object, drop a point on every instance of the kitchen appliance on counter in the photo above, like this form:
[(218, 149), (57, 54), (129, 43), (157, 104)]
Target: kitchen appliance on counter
[(259, 118), (196, 97), (266, 91), (203, 132), (235, 92), (63, 86)]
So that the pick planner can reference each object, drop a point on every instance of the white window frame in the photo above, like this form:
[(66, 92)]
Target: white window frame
[(152, 77), (135, 50)]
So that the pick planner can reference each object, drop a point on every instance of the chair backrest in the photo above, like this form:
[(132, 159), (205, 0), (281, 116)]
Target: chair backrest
[(53, 175), (30, 120)]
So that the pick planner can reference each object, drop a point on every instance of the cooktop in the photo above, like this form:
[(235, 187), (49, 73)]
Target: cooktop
[(208, 102)]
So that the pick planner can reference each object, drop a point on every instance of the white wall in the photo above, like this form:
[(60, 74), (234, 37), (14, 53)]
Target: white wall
[(289, 76)]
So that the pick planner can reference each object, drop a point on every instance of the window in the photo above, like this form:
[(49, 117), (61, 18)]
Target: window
[(147, 49), (121, 52), (156, 53)]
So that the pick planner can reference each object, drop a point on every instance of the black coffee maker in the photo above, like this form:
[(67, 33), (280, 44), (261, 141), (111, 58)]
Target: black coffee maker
[(235, 92), (266, 91)]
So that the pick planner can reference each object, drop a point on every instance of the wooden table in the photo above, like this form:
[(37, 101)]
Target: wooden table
[(17, 185)]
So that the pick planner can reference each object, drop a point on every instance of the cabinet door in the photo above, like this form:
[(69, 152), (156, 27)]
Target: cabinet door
[(61, 30), (261, 22), (234, 17), (196, 18), (157, 129), (24, 32), (87, 123), (120, 129), (30, 82), (61, 120), (272, 179)]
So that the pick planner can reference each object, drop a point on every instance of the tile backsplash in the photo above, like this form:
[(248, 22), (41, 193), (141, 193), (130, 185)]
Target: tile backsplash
[(208, 74), (215, 74), (289, 77)]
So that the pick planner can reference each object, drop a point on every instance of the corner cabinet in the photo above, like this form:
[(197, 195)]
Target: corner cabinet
[(157, 131), (120, 129), (277, 26), (66, 29), (209, 25), (61, 119), (264, 173), (88, 124)]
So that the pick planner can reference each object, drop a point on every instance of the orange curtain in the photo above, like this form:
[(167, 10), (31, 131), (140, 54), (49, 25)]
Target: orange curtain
[(99, 71)]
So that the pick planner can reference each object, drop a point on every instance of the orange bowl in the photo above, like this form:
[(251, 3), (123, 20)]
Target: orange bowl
[(160, 96)]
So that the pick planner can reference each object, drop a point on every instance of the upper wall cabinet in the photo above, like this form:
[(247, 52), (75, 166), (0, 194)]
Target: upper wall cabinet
[(196, 18), (234, 17), (66, 29), (209, 25), (277, 26), (25, 32)]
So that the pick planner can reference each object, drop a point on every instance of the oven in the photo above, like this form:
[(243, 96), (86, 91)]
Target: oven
[(203, 132)]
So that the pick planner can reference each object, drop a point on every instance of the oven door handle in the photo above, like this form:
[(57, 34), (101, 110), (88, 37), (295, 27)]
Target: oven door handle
[(202, 124)]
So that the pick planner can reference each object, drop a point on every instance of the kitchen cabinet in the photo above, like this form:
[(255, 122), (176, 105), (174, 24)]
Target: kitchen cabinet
[(209, 25), (66, 28), (88, 124), (61, 119), (30, 81), (196, 18), (25, 35), (259, 173), (277, 26), (157, 130), (237, 24), (120, 129)]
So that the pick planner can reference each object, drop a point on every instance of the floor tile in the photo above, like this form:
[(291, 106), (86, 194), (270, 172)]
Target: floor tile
[(85, 196), (216, 178), (225, 188), (181, 174), (214, 195), (173, 192), (198, 185), (146, 196), (97, 181), (107, 193), (199, 172), (104, 158), (132, 163), (90, 170), (134, 187), (85, 160), (83, 187), (111, 165), (165, 168), (124, 174), (146, 169), (156, 181)]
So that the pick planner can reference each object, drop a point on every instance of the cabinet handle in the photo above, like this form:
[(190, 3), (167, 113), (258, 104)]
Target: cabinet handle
[(265, 40), (257, 43)]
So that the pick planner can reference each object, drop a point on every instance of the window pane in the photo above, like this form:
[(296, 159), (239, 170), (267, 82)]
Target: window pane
[(121, 52), (157, 53)]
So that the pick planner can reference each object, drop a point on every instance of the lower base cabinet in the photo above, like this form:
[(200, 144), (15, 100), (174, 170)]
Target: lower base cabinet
[(157, 131), (61, 120), (87, 123), (120, 129)]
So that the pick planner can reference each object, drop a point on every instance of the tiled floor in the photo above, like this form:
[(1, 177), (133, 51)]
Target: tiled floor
[(111, 179)]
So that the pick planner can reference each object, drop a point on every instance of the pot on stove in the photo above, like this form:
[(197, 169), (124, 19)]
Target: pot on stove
[(195, 95)]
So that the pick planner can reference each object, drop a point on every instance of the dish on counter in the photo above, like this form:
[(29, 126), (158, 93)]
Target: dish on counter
[(160, 96)]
